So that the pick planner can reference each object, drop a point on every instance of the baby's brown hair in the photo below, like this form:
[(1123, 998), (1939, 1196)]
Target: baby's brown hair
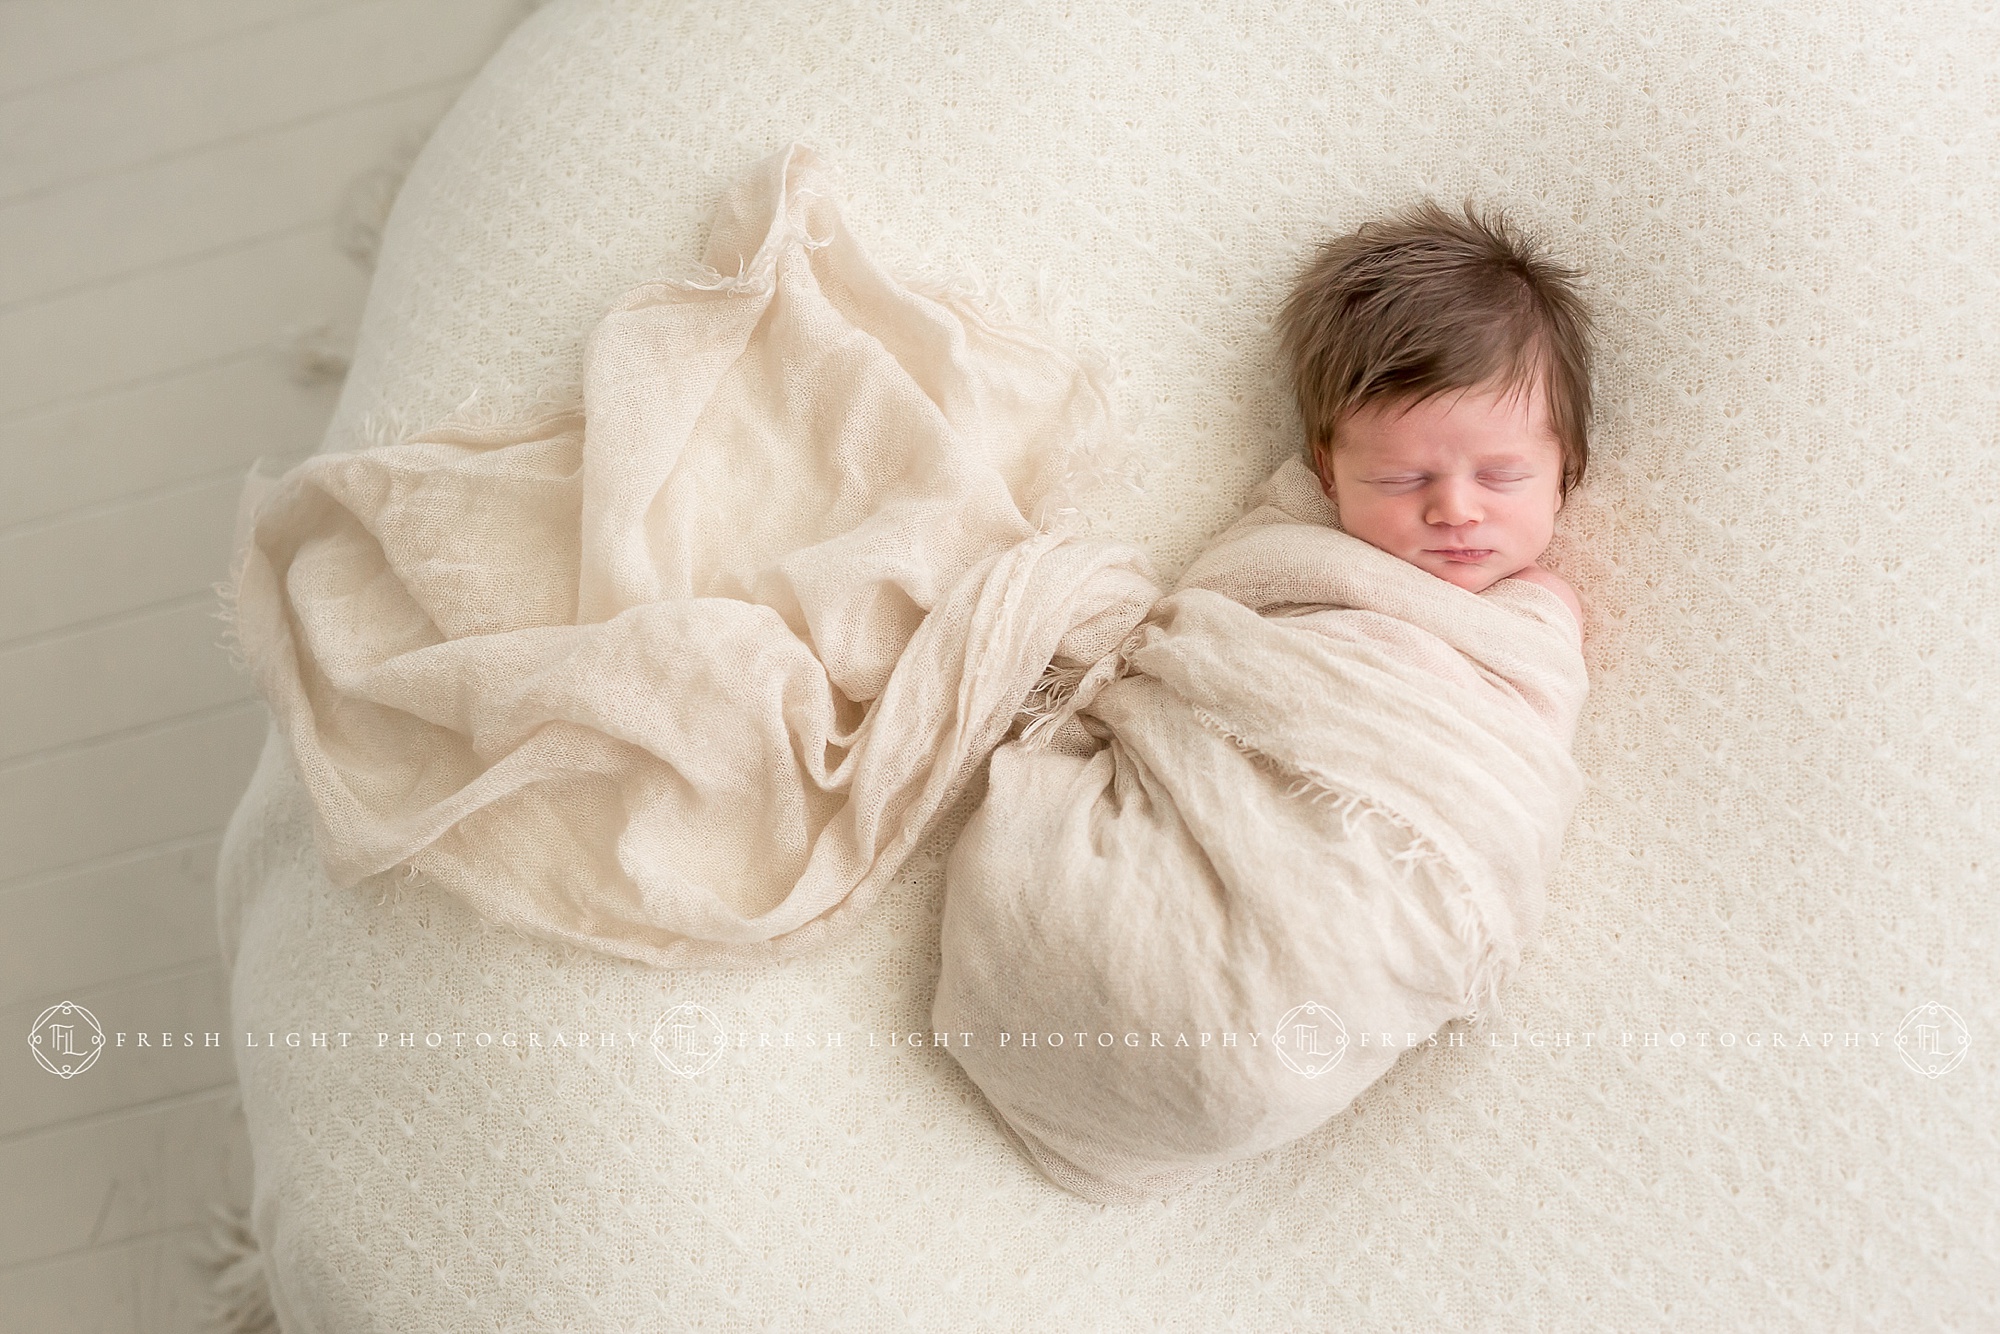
[(1426, 301)]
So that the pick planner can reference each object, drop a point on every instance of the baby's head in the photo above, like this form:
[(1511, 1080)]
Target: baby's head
[(1442, 366)]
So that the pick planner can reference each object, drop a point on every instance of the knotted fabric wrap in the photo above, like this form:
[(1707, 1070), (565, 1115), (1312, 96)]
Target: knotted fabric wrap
[(1319, 795), (683, 676)]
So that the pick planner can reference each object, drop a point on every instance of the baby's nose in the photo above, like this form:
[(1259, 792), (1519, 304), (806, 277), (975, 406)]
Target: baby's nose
[(1452, 505)]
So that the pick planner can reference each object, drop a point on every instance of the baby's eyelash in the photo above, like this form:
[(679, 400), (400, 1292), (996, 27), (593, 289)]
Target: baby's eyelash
[(1485, 476)]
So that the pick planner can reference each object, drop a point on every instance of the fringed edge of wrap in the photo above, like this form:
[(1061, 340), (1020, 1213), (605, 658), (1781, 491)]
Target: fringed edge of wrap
[(1063, 692), (257, 488), (239, 1285), (1469, 907)]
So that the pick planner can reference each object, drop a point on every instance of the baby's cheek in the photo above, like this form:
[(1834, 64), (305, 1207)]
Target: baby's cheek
[(1528, 529)]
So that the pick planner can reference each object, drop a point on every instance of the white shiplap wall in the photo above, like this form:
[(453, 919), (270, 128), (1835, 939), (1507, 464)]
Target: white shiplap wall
[(177, 182)]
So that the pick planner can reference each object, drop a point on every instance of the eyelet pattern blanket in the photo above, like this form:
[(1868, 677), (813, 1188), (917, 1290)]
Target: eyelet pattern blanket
[(1695, 1117)]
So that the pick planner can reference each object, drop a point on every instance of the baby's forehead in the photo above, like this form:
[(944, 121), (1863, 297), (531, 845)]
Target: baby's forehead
[(1482, 425)]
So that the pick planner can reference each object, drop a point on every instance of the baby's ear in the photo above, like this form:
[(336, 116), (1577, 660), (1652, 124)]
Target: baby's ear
[(1322, 453), (1323, 465)]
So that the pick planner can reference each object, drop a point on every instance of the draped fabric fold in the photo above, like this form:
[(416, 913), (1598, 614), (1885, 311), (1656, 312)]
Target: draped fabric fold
[(683, 675)]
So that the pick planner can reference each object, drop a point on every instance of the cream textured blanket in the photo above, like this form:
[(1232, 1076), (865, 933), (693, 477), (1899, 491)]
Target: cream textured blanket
[(685, 675), (1301, 819)]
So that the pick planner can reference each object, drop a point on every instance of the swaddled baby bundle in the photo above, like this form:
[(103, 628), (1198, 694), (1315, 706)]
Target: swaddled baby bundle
[(684, 673), (1316, 794)]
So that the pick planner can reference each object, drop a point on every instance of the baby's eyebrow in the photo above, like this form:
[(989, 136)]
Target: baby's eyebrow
[(1484, 461)]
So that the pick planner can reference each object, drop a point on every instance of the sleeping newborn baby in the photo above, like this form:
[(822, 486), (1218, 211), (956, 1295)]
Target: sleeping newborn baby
[(1304, 812), (1441, 365)]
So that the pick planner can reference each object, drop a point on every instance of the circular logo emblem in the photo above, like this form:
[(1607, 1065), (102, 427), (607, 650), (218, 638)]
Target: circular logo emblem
[(1932, 1040), (1310, 1039), (66, 1039), (688, 1040)]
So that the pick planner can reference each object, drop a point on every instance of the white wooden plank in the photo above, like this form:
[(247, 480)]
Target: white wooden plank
[(328, 59), (150, 1285), (147, 668), (175, 319), (155, 1030), (119, 559), (159, 433), (145, 371), (237, 192), (179, 782), (46, 42), (120, 1177), (94, 927)]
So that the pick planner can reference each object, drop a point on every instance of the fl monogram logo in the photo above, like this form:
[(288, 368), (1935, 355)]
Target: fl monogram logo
[(66, 1039)]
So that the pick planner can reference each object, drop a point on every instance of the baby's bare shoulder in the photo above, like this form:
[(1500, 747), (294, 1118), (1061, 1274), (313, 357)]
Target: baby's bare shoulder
[(1556, 584)]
